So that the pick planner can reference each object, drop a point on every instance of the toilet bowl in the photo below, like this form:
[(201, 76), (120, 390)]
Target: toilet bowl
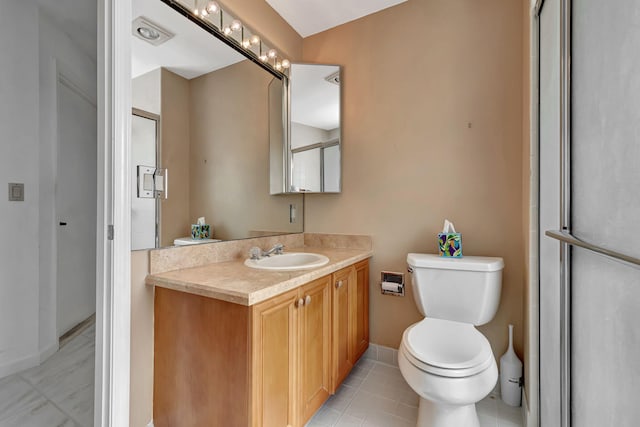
[(451, 367), (444, 358)]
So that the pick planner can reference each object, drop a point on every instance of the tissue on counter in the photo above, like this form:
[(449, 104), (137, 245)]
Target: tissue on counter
[(450, 242), (200, 230)]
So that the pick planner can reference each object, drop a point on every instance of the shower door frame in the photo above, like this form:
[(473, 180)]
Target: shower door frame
[(565, 202)]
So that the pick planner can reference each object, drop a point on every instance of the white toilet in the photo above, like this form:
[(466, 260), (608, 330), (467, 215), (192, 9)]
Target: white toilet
[(444, 358)]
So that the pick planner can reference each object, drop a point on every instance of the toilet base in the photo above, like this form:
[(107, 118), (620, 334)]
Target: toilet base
[(431, 414)]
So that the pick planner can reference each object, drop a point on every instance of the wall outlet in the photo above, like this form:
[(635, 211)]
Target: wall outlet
[(16, 192)]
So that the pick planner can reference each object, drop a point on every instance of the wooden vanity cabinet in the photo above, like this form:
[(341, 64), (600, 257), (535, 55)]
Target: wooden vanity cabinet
[(350, 320), (361, 310), (291, 359), (272, 364)]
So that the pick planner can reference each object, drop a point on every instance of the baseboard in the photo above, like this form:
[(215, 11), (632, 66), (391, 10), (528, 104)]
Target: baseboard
[(150, 424), (27, 362), (382, 354), (48, 352)]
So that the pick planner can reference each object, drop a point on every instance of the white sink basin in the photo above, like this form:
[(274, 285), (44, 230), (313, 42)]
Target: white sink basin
[(288, 261)]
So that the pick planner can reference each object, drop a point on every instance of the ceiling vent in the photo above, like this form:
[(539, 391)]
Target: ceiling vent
[(149, 31), (334, 78)]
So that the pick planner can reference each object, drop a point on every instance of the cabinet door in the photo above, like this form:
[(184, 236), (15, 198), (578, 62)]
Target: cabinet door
[(275, 343), (361, 309), (315, 357), (342, 325)]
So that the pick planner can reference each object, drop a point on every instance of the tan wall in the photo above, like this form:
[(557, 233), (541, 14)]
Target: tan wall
[(433, 111), (175, 133), (229, 124), (141, 389)]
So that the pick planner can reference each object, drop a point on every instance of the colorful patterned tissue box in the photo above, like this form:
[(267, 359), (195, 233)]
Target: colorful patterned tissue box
[(200, 231), (450, 244)]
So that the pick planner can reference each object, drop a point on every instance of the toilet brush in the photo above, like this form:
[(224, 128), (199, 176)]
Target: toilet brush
[(510, 374)]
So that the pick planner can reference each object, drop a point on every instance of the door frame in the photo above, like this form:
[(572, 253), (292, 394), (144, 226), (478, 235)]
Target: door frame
[(531, 398), (113, 267)]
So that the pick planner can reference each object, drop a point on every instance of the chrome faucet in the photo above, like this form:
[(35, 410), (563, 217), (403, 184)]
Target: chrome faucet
[(257, 253)]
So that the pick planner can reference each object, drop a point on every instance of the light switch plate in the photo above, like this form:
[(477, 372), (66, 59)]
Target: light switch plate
[(16, 192)]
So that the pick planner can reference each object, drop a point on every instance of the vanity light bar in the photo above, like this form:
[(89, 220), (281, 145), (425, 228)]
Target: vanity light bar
[(210, 16)]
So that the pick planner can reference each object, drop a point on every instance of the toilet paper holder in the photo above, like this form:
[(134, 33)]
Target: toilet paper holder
[(392, 283)]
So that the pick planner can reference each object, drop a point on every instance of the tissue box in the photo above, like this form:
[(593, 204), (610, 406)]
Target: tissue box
[(450, 244), (200, 231)]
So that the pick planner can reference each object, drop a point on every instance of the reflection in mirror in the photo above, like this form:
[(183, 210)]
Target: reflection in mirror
[(212, 106), (144, 148), (315, 128)]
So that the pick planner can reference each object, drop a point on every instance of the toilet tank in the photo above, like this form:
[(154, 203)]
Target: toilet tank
[(460, 289)]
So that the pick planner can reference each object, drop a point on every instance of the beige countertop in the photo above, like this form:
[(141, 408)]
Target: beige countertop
[(235, 282)]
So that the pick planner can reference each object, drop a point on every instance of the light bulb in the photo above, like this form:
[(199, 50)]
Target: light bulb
[(254, 39), (278, 66), (196, 12), (272, 53), (286, 63), (236, 25), (227, 30), (213, 7), (246, 44), (263, 58), (204, 13)]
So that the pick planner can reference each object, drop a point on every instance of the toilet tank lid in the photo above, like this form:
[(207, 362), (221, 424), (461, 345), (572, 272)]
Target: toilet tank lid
[(468, 263)]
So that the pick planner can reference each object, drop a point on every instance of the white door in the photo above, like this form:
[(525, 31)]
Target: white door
[(75, 207)]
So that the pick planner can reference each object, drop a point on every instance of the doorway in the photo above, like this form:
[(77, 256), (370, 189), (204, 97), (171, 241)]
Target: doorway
[(75, 204)]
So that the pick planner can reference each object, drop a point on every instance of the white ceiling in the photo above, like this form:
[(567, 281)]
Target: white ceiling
[(314, 101), (309, 17), (192, 52)]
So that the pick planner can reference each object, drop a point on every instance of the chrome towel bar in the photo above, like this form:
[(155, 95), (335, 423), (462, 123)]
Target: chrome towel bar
[(566, 237)]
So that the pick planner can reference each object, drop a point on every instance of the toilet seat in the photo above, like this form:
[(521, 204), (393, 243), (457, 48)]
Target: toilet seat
[(447, 348)]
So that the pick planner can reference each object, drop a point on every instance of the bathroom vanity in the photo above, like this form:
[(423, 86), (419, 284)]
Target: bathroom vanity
[(236, 346)]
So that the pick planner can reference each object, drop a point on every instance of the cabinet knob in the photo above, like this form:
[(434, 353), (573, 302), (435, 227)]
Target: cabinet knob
[(307, 300), (300, 302), (338, 284)]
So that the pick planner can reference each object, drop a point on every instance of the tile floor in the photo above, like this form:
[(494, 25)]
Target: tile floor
[(58, 393), (375, 394)]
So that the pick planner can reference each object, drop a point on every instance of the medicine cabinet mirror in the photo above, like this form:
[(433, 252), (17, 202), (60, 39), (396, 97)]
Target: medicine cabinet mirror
[(308, 158), (207, 106)]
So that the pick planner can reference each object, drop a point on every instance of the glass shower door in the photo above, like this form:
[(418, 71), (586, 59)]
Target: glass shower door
[(605, 211)]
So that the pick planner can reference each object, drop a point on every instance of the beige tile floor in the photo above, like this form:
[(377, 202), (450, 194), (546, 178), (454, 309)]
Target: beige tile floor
[(375, 394), (58, 393)]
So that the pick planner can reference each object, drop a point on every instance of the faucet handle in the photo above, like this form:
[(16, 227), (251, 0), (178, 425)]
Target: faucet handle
[(255, 253), (279, 248)]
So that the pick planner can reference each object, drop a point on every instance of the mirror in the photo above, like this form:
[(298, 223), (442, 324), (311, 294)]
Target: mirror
[(312, 154), (211, 107)]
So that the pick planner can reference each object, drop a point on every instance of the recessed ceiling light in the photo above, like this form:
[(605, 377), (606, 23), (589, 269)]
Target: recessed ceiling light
[(149, 31)]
